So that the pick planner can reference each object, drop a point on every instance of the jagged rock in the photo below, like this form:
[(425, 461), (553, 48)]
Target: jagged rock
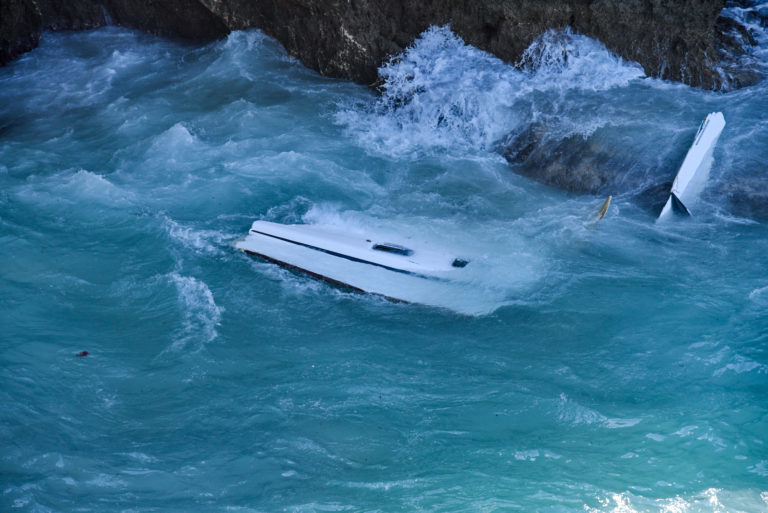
[(733, 39), (594, 165), (20, 23), (734, 44), (671, 39), (591, 165), (574, 163), (57, 15), (188, 19)]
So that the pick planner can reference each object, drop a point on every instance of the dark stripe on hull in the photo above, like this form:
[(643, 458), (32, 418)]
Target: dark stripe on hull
[(350, 258), (320, 277)]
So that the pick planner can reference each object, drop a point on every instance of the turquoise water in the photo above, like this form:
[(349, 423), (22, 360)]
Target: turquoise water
[(612, 367)]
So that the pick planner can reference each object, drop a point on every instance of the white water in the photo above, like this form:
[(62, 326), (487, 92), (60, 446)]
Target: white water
[(621, 369)]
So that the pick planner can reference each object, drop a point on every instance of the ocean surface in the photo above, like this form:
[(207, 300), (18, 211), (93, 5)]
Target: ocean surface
[(619, 366)]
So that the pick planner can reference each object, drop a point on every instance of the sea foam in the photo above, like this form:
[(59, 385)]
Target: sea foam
[(200, 313), (444, 95)]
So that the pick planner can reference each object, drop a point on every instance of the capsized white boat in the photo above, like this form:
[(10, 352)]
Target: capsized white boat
[(694, 171), (399, 270)]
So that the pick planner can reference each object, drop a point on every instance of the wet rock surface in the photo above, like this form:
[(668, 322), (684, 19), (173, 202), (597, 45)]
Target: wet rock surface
[(671, 39), (587, 165), (23, 21), (575, 164), (20, 23), (736, 42), (593, 165)]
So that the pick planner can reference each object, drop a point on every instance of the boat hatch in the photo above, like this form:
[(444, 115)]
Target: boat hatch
[(393, 248)]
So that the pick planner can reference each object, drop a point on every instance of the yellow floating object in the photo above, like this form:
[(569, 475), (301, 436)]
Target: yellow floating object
[(604, 208)]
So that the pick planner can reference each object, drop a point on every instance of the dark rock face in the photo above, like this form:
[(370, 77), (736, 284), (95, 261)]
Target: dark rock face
[(56, 15), (733, 45), (671, 39), (19, 28), (22, 21), (188, 19)]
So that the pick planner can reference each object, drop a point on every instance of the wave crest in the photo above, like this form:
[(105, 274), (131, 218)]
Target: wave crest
[(442, 94)]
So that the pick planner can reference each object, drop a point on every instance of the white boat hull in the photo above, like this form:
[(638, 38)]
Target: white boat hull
[(349, 260)]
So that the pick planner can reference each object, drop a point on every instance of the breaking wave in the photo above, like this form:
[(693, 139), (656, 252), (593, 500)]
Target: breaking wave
[(444, 95), (711, 500)]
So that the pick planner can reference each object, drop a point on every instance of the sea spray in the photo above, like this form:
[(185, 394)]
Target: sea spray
[(442, 93)]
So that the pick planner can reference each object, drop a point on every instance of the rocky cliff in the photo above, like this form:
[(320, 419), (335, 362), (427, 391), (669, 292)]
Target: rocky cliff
[(22, 21), (19, 28), (671, 39)]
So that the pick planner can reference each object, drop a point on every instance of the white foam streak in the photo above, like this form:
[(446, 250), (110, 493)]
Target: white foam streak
[(330, 215), (204, 242), (711, 500), (244, 41), (201, 314), (573, 413), (742, 365), (760, 295)]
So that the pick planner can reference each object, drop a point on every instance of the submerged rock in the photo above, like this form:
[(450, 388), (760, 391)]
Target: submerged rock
[(595, 164), (671, 39), (573, 163), (747, 197)]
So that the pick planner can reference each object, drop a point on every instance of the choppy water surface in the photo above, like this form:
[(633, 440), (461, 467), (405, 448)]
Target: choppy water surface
[(618, 367)]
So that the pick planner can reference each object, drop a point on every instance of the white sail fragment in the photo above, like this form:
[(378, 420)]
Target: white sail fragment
[(694, 172)]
